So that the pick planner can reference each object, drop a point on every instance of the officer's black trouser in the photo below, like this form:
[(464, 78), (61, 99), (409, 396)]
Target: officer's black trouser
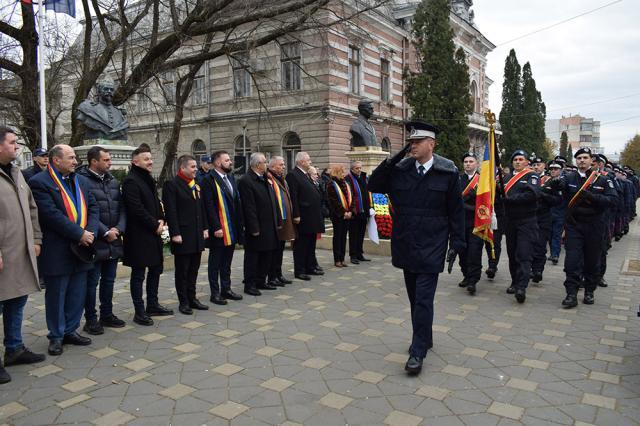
[(583, 251), (497, 248), (471, 258), (357, 229), (606, 242), (421, 289), (540, 247), (521, 236)]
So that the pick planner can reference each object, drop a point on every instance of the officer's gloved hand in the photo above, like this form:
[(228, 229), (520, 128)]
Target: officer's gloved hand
[(399, 156), (451, 258)]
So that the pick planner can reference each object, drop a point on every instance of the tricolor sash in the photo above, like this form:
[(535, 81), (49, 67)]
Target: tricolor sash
[(345, 200), (279, 197), (471, 185), (75, 206), (592, 177), (515, 178), (544, 180), (225, 217), (358, 201)]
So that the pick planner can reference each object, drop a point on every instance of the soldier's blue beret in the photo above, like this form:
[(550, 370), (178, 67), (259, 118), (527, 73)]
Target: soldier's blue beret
[(518, 152)]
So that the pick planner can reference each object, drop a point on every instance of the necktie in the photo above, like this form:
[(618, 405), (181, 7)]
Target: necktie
[(421, 170), (226, 181)]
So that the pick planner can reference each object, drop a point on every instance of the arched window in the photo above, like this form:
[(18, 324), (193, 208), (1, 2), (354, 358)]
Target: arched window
[(386, 144), (198, 149), (291, 145), (475, 97), (241, 153)]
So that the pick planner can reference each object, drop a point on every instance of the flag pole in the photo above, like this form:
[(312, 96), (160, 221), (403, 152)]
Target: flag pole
[(43, 103)]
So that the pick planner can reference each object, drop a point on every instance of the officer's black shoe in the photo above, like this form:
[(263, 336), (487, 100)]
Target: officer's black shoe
[(511, 290), (158, 311), (617, 237), (112, 321), (471, 288), (4, 376), (603, 283), (536, 277), (283, 280), (218, 300), (276, 283), (317, 271), (588, 298), (93, 327), (491, 273), (142, 319), (361, 258), (355, 261), (521, 295), (413, 365), (463, 283), (252, 291), (231, 295), (303, 277), (76, 339), (55, 347), (21, 355), (266, 286), (185, 309), (554, 260), (571, 301), (195, 304)]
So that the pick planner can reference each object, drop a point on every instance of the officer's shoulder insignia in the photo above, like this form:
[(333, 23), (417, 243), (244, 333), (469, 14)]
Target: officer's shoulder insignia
[(611, 185), (534, 180)]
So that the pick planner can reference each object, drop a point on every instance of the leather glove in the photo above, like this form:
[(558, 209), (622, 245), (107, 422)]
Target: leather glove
[(399, 156), (451, 258)]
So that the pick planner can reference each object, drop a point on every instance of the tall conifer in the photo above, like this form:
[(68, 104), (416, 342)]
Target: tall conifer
[(511, 113), (564, 144), (533, 114)]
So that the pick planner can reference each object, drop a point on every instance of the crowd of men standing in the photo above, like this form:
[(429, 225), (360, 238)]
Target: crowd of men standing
[(65, 228)]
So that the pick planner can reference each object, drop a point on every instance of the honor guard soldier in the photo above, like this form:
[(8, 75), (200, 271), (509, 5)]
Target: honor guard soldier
[(548, 196), (428, 212), (589, 195), (599, 162), (557, 216), (521, 229), (471, 258)]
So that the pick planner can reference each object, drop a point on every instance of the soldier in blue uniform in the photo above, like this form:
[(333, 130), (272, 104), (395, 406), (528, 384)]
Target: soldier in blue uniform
[(471, 258), (427, 213), (558, 212), (589, 196), (521, 230)]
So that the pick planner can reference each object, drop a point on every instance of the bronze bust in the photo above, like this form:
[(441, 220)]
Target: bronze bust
[(102, 119), (362, 132)]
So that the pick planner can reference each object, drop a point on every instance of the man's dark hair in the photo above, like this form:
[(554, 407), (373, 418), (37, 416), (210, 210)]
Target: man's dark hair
[(217, 154), (3, 132), (94, 153), (184, 159), (56, 151), (141, 149)]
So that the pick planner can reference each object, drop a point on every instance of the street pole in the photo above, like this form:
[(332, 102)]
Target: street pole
[(244, 144), (43, 103)]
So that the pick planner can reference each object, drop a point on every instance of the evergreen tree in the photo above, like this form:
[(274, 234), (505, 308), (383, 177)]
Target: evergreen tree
[(533, 114), (630, 156), (511, 113), (564, 144), (569, 155), (439, 91)]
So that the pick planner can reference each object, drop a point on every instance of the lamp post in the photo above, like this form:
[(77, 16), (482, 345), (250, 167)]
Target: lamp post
[(244, 143)]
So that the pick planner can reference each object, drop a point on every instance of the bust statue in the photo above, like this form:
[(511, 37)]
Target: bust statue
[(102, 119), (362, 132)]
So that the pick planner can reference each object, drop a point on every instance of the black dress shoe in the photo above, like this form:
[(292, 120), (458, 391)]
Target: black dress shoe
[(22, 355), (413, 365), (571, 301), (267, 286), (316, 271), (355, 261), (603, 283), (4, 376), (231, 295), (55, 348), (76, 339), (471, 288), (158, 311), (218, 300), (276, 283), (283, 280), (93, 327), (588, 298), (363, 259), (112, 321), (511, 290), (252, 291), (195, 304), (521, 295), (491, 273), (143, 319), (554, 260), (303, 277), (463, 283), (185, 309), (536, 277)]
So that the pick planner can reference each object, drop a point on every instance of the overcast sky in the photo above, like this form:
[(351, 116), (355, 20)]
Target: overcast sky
[(590, 59)]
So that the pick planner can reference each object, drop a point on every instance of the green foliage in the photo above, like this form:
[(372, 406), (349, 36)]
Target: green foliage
[(533, 113), (119, 174), (439, 92), (630, 156), (569, 155), (564, 144)]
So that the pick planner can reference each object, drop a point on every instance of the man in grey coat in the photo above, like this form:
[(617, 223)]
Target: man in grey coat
[(20, 241)]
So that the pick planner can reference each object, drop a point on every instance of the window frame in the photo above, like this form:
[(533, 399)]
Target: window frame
[(385, 81), (354, 56), (291, 65), (240, 71)]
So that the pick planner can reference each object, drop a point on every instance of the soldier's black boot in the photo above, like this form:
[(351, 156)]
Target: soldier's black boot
[(491, 272), (603, 283), (588, 298), (511, 289), (4, 376), (471, 288), (571, 301), (521, 295), (536, 277), (463, 283)]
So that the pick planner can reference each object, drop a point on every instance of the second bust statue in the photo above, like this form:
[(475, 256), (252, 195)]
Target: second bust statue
[(362, 132)]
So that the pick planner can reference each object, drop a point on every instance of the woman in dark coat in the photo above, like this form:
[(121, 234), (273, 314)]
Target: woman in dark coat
[(340, 207)]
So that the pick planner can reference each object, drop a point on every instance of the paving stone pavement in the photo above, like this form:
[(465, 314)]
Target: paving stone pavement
[(331, 351)]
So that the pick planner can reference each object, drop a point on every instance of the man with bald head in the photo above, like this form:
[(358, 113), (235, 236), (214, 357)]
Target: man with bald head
[(68, 216)]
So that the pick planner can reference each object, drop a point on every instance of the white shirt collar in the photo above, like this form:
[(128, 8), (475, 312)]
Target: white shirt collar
[(582, 174), (426, 165), (222, 175), (302, 170)]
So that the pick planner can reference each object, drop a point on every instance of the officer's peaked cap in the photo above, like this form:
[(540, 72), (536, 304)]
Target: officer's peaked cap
[(560, 159), (582, 150), (420, 129), (469, 154)]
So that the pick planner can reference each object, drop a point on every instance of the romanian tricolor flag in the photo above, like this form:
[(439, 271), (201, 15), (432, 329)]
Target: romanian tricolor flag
[(486, 192)]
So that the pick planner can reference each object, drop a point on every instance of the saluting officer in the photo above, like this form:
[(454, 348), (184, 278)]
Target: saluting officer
[(471, 258), (548, 196), (589, 196), (428, 212), (521, 230)]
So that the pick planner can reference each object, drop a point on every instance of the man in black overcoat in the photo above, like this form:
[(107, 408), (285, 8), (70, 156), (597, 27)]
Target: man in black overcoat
[(307, 205), (225, 225), (184, 211), (142, 242), (428, 213), (261, 222)]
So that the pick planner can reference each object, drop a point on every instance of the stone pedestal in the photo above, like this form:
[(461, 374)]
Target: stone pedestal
[(120, 151), (370, 156)]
